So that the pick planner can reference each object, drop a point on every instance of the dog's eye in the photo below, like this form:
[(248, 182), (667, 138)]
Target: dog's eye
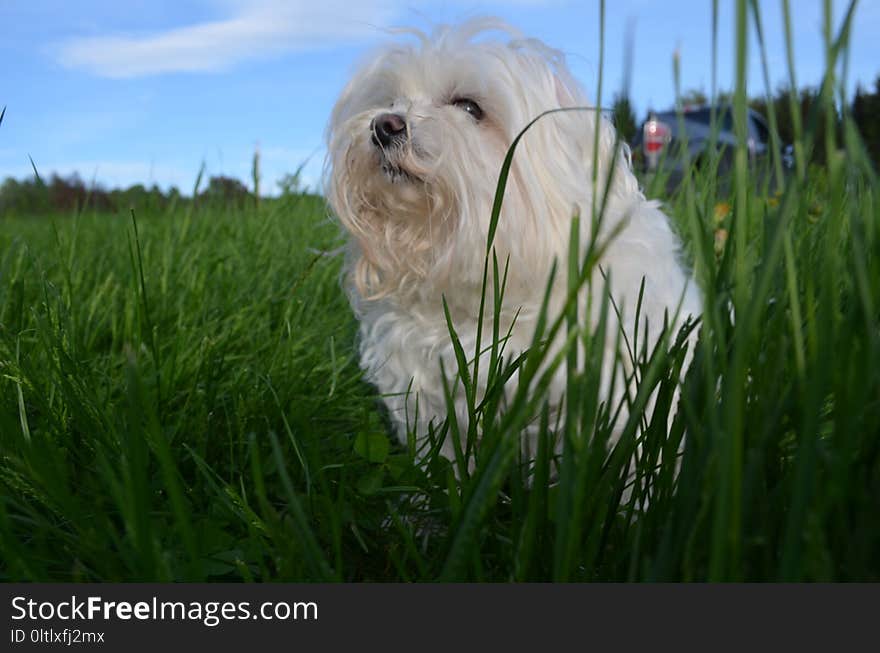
[(470, 106)]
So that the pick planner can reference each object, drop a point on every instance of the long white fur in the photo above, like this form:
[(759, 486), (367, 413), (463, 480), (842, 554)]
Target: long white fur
[(417, 238)]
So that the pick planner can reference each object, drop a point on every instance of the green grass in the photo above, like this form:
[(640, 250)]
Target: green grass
[(180, 400)]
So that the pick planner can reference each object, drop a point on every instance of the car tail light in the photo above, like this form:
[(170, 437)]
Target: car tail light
[(656, 136)]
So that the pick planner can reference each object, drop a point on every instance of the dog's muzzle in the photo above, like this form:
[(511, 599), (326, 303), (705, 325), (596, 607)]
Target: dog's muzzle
[(388, 129)]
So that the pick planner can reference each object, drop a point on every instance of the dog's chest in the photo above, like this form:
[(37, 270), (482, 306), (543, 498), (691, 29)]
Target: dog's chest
[(418, 344)]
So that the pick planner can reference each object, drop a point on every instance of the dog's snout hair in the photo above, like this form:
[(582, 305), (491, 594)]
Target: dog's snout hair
[(388, 128)]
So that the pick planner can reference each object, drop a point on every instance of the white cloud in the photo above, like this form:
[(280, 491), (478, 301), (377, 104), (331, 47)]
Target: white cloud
[(254, 29)]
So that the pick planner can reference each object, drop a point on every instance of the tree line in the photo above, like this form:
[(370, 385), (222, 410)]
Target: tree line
[(36, 196), (60, 194)]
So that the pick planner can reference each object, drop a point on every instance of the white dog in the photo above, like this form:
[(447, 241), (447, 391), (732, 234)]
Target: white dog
[(416, 144)]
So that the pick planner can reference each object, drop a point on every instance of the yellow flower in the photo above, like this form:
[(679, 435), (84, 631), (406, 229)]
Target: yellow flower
[(722, 210)]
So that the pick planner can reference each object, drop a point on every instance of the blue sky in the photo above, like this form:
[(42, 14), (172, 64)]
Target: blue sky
[(127, 91)]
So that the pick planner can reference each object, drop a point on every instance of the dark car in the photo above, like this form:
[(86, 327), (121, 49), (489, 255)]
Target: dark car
[(659, 139)]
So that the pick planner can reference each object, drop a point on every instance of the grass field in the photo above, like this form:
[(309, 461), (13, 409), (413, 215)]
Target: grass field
[(180, 400)]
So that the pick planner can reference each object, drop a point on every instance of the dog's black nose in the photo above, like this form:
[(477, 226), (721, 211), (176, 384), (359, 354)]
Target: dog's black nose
[(387, 128)]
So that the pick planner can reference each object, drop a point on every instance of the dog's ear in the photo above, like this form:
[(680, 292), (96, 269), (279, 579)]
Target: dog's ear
[(594, 125)]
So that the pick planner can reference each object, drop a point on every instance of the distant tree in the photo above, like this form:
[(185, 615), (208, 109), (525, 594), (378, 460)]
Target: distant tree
[(807, 101), (227, 191), (33, 196), (624, 118), (134, 197), (66, 194), (693, 97), (865, 112), (810, 103), (781, 108)]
